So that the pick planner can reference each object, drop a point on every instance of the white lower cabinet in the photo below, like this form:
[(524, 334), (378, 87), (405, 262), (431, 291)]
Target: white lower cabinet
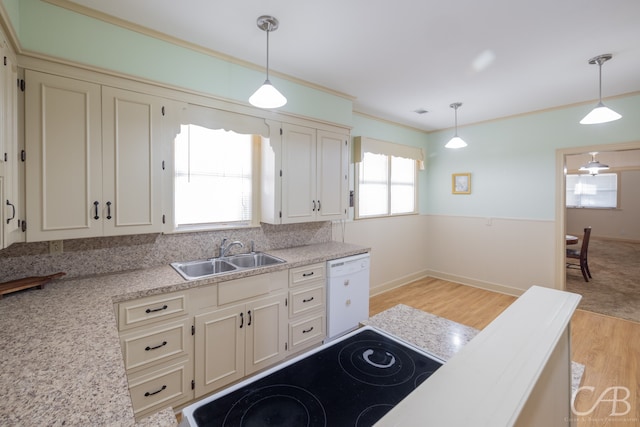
[(307, 307), (157, 348), (166, 385), (156, 344), (180, 346), (233, 342)]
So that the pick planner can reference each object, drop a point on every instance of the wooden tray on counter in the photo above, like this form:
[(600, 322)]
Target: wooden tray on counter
[(27, 282)]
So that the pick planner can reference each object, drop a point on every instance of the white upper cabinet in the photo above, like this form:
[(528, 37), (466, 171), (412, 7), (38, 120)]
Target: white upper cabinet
[(131, 135), (298, 174), (10, 165), (63, 141), (312, 176), (332, 185), (92, 163)]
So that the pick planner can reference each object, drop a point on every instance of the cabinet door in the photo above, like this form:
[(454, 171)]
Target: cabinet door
[(131, 131), (266, 333), (219, 348), (12, 201), (298, 174), (333, 180), (64, 152)]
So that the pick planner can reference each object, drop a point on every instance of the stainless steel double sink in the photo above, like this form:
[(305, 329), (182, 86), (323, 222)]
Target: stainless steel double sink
[(199, 269)]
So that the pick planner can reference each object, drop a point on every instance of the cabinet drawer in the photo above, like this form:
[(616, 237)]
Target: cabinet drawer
[(154, 390), (155, 344), (306, 299), (301, 275), (150, 309), (306, 332)]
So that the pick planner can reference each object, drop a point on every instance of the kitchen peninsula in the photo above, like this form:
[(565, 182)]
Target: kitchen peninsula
[(62, 361)]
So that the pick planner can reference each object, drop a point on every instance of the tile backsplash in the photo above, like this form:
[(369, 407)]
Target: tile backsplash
[(82, 257)]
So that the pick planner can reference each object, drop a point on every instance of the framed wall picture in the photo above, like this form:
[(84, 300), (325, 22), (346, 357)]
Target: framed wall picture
[(461, 183)]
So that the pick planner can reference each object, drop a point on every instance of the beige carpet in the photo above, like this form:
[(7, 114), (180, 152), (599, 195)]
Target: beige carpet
[(614, 289)]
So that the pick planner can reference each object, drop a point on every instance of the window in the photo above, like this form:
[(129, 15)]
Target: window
[(592, 191), (213, 178), (387, 178)]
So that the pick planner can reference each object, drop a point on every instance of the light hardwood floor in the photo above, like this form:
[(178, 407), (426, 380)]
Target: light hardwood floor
[(608, 347)]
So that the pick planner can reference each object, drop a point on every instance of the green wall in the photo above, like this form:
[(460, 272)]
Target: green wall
[(512, 160)]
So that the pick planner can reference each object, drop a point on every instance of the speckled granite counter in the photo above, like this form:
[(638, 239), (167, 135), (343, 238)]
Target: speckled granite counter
[(439, 336), (61, 359)]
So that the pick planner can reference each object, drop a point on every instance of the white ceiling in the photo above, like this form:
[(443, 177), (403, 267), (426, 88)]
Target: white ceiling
[(397, 56)]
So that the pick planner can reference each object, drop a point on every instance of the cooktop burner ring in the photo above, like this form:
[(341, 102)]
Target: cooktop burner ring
[(282, 404), (376, 363), (372, 414)]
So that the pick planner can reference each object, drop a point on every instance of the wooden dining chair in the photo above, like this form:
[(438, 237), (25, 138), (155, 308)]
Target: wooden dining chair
[(581, 255)]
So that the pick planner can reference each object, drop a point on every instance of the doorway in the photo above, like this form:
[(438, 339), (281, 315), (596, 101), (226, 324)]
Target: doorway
[(624, 160)]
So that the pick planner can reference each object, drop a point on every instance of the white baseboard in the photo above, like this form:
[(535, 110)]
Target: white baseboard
[(477, 283), (396, 283), (405, 280)]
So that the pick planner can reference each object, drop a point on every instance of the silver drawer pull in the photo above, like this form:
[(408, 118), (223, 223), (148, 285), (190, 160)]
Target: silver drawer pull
[(147, 394), (153, 310), (306, 331), (156, 347), (308, 300)]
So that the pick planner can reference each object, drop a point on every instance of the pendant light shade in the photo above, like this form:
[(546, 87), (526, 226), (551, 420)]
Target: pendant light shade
[(601, 113), (593, 166), (267, 96), (456, 141)]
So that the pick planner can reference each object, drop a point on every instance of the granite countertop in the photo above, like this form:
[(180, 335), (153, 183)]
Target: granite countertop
[(61, 358)]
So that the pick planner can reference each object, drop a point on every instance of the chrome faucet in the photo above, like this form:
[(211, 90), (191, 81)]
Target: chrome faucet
[(225, 249)]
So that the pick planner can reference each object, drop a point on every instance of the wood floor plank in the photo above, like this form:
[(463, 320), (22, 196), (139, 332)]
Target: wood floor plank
[(608, 347)]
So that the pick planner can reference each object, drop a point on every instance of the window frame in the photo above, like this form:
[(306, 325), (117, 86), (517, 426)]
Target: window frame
[(212, 118), (389, 185)]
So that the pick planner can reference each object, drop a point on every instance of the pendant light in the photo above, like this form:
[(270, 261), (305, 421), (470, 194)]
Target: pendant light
[(267, 96), (601, 113), (456, 141), (593, 166)]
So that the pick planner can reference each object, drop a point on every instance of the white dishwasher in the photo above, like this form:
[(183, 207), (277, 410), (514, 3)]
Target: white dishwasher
[(347, 294)]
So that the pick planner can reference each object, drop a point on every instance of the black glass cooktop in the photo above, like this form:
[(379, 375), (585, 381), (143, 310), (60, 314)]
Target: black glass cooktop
[(352, 382)]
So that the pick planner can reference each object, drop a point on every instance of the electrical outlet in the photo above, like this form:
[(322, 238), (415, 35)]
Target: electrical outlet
[(55, 247)]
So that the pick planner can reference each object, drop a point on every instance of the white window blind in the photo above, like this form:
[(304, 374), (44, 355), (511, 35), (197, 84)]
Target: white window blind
[(387, 178), (213, 177), (592, 191)]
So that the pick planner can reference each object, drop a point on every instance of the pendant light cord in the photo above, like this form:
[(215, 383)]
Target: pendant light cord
[(599, 78), (456, 119), (268, 31)]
